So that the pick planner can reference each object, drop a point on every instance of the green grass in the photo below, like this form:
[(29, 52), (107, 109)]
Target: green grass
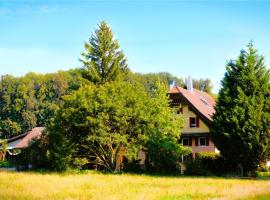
[(93, 185)]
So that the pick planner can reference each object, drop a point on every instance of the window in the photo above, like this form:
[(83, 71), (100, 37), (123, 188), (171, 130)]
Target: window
[(186, 158), (185, 141), (202, 141), (194, 122)]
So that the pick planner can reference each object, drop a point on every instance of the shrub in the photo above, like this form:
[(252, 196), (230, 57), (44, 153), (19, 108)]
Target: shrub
[(163, 154), (207, 164), (5, 163), (263, 168)]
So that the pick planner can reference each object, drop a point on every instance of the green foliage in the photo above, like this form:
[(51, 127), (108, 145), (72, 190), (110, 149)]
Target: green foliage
[(166, 78), (203, 85), (3, 149), (98, 123), (148, 79), (163, 150), (207, 164), (163, 153), (102, 59), (240, 129), (5, 163), (30, 101)]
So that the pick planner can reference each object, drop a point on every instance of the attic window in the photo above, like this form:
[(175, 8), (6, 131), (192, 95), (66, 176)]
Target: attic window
[(194, 122)]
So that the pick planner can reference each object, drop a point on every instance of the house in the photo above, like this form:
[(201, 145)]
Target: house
[(21, 141), (196, 107)]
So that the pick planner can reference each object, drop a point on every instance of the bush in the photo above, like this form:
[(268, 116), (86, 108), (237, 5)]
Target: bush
[(263, 168), (5, 163), (162, 155), (207, 164), (133, 167)]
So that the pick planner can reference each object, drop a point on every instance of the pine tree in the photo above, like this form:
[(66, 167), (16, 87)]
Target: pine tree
[(240, 127), (102, 59)]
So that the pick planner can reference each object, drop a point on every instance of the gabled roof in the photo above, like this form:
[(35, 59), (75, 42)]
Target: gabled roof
[(25, 138), (201, 102)]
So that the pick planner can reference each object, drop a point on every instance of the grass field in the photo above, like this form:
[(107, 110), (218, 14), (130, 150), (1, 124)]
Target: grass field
[(93, 185)]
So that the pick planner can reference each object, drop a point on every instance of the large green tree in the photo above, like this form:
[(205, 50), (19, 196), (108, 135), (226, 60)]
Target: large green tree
[(97, 122), (103, 60), (240, 127)]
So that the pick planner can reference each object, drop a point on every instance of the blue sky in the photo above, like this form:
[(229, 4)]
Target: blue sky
[(183, 38)]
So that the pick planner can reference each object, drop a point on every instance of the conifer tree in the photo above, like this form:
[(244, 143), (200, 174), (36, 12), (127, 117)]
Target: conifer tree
[(103, 60), (240, 127)]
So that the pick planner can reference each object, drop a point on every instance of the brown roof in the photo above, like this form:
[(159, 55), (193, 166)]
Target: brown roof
[(35, 133), (201, 101)]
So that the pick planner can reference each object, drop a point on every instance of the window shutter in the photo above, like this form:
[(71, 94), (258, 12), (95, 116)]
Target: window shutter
[(190, 156), (190, 122), (207, 141), (197, 122), (190, 141), (196, 141)]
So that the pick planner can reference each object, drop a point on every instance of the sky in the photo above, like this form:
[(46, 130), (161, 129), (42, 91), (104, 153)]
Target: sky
[(181, 37)]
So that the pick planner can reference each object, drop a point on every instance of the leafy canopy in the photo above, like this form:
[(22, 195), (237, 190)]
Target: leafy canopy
[(31, 100), (99, 123)]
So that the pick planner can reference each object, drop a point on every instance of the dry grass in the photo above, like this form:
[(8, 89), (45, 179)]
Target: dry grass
[(97, 186)]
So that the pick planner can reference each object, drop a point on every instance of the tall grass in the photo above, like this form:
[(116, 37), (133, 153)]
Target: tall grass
[(97, 186)]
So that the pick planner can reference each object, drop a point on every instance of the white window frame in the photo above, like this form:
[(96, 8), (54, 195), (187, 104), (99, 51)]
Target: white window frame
[(195, 123), (185, 139), (199, 142)]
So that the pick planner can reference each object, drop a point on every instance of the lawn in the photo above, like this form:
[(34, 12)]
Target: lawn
[(93, 185)]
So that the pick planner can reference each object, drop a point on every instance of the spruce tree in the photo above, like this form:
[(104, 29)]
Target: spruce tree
[(103, 60), (240, 127)]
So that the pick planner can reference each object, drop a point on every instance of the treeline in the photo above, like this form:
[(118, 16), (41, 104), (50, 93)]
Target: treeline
[(32, 100)]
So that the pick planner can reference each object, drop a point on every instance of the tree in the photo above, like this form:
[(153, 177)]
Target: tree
[(102, 59), (240, 127), (3, 149), (203, 85), (31, 100), (150, 78), (100, 123)]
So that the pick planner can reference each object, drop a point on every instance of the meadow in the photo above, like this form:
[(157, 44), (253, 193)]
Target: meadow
[(93, 185)]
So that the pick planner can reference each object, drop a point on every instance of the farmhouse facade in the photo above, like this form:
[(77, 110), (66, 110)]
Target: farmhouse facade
[(196, 108)]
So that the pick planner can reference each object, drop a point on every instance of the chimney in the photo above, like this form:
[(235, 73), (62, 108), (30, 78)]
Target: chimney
[(172, 84), (189, 84)]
